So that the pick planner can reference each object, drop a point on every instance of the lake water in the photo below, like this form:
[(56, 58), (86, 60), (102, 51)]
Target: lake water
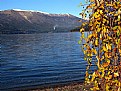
[(40, 60)]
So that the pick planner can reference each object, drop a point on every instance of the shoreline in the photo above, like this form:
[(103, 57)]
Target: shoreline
[(72, 86), (77, 86), (80, 86)]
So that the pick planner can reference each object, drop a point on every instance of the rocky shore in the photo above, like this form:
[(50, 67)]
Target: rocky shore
[(69, 87)]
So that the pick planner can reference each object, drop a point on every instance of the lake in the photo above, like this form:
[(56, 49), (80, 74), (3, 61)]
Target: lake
[(40, 60)]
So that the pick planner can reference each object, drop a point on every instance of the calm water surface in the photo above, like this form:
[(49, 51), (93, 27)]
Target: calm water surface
[(32, 60)]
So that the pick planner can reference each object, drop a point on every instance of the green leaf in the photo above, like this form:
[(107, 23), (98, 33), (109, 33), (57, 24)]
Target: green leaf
[(79, 42), (115, 28)]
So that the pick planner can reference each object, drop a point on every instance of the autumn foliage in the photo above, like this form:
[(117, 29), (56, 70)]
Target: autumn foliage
[(102, 44)]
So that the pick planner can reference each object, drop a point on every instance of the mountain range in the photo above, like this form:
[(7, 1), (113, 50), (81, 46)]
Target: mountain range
[(17, 21)]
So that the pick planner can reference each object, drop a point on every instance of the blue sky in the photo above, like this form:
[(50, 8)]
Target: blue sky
[(50, 6)]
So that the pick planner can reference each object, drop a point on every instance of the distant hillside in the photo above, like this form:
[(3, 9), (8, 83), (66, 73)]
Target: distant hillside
[(21, 21)]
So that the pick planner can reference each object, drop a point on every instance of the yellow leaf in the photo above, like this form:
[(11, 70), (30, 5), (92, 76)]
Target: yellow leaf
[(108, 46), (98, 30), (120, 51), (82, 30), (109, 38), (115, 28), (101, 36), (96, 42), (116, 14), (87, 74), (94, 51), (110, 77), (104, 29), (93, 76), (92, 89), (104, 20), (108, 61), (85, 58), (119, 11), (119, 27), (85, 52), (107, 54), (104, 48), (96, 15), (119, 18), (91, 0), (101, 12), (90, 36), (119, 89), (109, 5), (102, 57), (89, 55), (92, 5), (82, 35), (107, 87), (116, 74)]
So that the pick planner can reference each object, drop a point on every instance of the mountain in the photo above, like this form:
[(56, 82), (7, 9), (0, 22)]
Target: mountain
[(28, 21)]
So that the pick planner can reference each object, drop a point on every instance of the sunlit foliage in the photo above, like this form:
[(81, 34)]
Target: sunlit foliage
[(102, 44)]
